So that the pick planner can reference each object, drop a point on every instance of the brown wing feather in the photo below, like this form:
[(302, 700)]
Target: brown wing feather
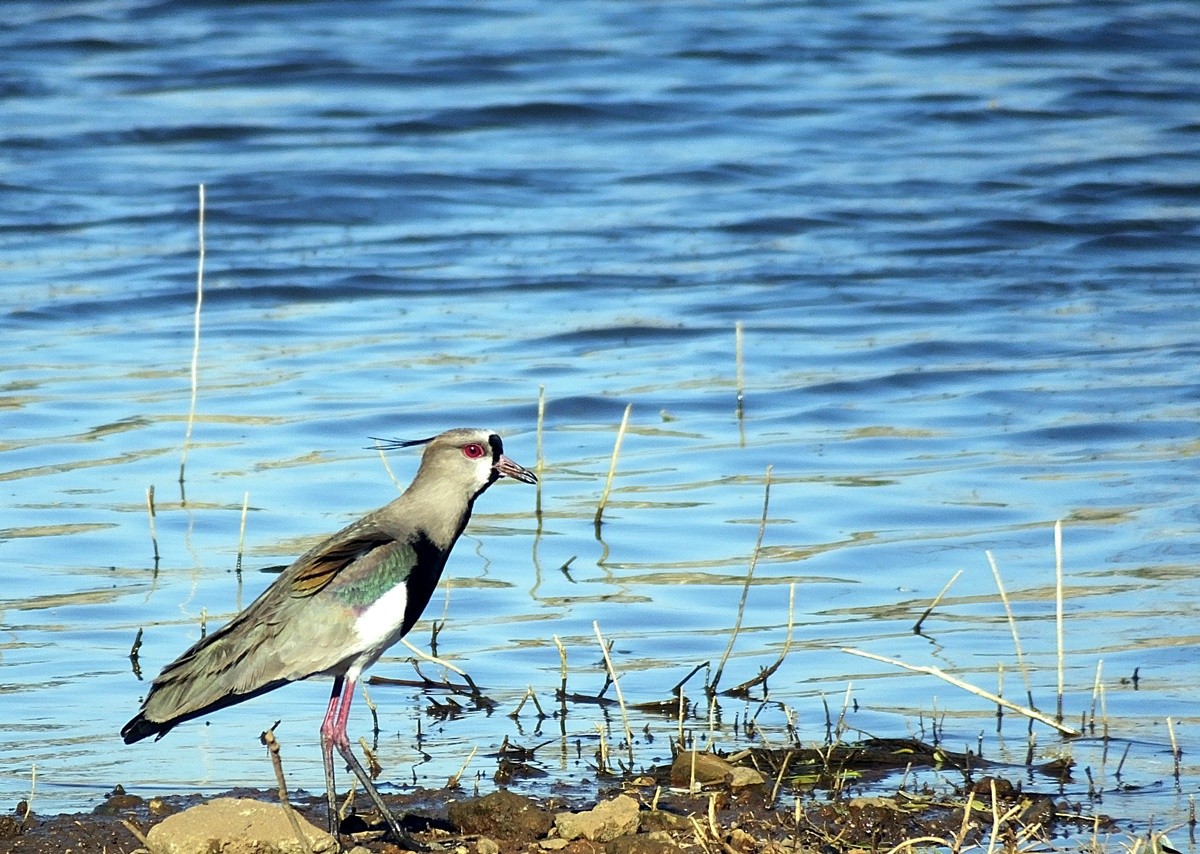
[(315, 571)]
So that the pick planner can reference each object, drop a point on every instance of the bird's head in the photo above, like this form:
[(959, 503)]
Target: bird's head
[(466, 459)]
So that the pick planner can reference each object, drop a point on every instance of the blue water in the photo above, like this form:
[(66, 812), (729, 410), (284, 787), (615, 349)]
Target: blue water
[(961, 239)]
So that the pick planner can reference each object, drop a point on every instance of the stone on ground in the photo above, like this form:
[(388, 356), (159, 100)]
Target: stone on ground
[(501, 815), (236, 826), (608, 821)]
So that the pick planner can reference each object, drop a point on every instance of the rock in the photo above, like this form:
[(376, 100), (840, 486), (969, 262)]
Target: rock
[(235, 826), (709, 769), (487, 846), (656, 820), (608, 821), (501, 815), (644, 843), (743, 777)]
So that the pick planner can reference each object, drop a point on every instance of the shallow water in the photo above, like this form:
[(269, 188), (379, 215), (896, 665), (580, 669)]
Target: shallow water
[(962, 243)]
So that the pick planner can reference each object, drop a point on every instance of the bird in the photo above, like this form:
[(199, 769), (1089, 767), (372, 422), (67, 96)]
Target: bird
[(339, 606)]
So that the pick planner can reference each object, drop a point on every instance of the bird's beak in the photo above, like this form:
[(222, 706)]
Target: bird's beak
[(507, 468)]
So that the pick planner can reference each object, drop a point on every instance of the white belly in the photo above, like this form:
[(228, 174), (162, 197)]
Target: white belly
[(378, 627)]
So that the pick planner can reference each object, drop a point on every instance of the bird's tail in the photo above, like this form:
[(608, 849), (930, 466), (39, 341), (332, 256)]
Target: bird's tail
[(222, 669)]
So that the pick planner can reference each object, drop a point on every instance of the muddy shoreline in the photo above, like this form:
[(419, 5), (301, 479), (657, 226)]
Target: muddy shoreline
[(828, 800)]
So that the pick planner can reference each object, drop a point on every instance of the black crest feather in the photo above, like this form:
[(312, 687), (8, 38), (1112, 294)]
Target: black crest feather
[(393, 444)]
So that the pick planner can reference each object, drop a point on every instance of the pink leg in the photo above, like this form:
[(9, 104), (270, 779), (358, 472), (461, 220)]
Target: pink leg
[(333, 734), (328, 738)]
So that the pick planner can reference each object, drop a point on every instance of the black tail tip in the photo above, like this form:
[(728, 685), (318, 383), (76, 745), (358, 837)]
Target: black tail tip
[(140, 728)]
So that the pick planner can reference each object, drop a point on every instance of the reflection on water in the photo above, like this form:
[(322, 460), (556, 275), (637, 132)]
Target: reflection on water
[(961, 241)]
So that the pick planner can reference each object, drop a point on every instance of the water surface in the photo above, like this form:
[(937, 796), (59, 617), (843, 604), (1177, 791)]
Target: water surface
[(961, 239)]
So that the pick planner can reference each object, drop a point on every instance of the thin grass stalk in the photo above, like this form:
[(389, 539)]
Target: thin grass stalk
[(1058, 609), (737, 625), (999, 693), (761, 678), (540, 462), (612, 468), (457, 776), (967, 686), (1096, 692), (241, 546), (187, 438), (936, 599), (153, 527), (441, 662), (562, 667), (741, 384), (32, 792), (1012, 626), (612, 674), (995, 817)]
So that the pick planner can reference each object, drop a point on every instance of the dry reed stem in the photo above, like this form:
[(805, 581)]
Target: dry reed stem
[(153, 528), (370, 705), (612, 675), (766, 673), (995, 818), (936, 599), (967, 686), (133, 828), (441, 662), (32, 791), (737, 625), (268, 740), (242, 531), (612, 467), (961, 836), (133, 654), (999, 693), (1058, 609), (682, 709), (562, 667), (1012, 626), (1096, 691), (603, 748), (453, 781), (741, 385), (187, 438), (540, 462), (373, 766), (787, 758)]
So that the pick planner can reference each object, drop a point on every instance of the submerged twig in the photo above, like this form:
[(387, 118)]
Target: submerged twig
[(967, 686), (737, 625), (934, 603), (612, 468), (191, 421)]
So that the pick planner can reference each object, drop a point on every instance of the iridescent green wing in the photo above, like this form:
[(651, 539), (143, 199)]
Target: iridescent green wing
[(358, 570)]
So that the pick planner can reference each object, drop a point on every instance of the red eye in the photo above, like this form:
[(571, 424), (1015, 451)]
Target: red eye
[(473, 451)]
